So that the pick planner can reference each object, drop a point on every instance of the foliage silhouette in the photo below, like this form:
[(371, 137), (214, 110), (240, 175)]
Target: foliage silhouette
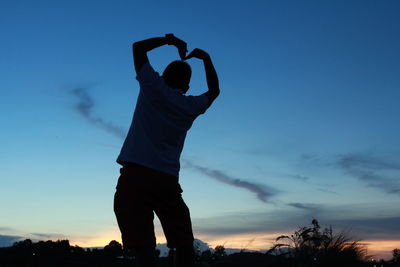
[(396, 255), (313, 246), (326, 248), (113, 249), (219, 252)]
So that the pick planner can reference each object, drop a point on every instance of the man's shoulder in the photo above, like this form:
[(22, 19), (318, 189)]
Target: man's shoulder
[(190, 104), (146, 71)]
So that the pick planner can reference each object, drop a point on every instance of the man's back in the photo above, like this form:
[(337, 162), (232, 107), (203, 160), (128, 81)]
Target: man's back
[(162, 117)]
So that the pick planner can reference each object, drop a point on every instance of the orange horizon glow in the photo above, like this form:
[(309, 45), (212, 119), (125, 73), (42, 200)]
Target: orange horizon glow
[(377, 249), (381, 249)]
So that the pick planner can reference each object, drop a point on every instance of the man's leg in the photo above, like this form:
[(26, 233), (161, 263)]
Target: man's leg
[(175, 219), (145, 256), (184, 256), (135, 216)]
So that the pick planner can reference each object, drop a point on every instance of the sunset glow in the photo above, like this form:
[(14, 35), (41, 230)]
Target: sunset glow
[(306, 125), (377, 249)]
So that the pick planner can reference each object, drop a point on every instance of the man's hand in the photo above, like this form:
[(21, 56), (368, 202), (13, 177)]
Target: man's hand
[(141, 48), (198, 53), (178, 43)]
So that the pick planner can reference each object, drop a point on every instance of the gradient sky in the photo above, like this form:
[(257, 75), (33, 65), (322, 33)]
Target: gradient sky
[(307, 123)]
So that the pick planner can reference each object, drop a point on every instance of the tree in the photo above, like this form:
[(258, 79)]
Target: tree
[(23, 244), (206, 256), (219, 252), (113, 249), (19, 253), (396, 255), (78, 251)]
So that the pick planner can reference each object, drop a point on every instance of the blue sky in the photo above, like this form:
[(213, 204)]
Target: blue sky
[(306, 124)]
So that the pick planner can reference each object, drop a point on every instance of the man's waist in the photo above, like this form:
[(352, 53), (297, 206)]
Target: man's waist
[(131, 166)]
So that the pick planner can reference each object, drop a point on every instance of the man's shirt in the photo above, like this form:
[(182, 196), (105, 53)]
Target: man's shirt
[(162, 117)]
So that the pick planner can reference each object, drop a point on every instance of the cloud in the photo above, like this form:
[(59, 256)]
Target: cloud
[(299, 177), (328, 191), (8, 240), (48, 236), (305, 206), (376, 172), (371, 228), (366, 161), (312, 159), (6, 229), (262, 192), (84, 107), (355, 220), (256, 222)]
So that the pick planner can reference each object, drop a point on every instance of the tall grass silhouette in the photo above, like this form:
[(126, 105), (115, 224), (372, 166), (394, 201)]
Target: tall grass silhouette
[(314, 246)]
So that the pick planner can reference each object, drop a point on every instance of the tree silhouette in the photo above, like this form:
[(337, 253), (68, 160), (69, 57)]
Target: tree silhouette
[(206, 256), (396, 255), (219, 252), (113, 249), (309, 246)]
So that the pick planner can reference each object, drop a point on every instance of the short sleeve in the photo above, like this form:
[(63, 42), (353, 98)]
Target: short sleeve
[(147, 74), (197, 105), (150, 81)]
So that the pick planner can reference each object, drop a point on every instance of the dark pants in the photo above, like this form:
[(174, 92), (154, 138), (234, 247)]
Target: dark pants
[(140, 192)]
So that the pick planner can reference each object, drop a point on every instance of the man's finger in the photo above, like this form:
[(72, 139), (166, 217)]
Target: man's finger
[(190, 55), (182, 53)]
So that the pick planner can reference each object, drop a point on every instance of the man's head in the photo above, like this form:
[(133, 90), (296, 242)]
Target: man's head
[(177, 75)]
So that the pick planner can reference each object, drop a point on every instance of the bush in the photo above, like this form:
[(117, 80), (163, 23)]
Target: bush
[(313, 246)]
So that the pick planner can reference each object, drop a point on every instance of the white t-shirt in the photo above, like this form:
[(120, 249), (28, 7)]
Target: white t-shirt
[(161, 119)]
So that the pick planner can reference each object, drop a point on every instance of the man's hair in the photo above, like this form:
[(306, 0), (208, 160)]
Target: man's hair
[(177, 75)]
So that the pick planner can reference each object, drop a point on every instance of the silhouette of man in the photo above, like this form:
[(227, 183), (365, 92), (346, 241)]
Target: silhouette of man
[(149, 180)]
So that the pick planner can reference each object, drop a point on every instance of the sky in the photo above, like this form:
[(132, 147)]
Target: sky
[(306, 125)]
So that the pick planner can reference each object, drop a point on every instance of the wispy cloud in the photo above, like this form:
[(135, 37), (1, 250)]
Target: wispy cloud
[(371, 228), (262, 192), (84, 107), (356, 219), (6, 229), (376, 172), (312, 159), (48, 236), (299, 177), (328, 191), (367, 161), (8, 240), (305, 206)]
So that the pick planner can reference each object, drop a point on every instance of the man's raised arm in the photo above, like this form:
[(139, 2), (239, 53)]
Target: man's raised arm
[(211, 74), (141, 48)]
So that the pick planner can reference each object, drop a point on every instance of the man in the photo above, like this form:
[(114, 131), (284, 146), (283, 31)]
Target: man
[(149, 180)]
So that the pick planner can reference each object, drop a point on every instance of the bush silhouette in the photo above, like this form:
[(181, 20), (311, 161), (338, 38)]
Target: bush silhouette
[(219, 252), (396, 255), (113, 249), (313, 246)]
